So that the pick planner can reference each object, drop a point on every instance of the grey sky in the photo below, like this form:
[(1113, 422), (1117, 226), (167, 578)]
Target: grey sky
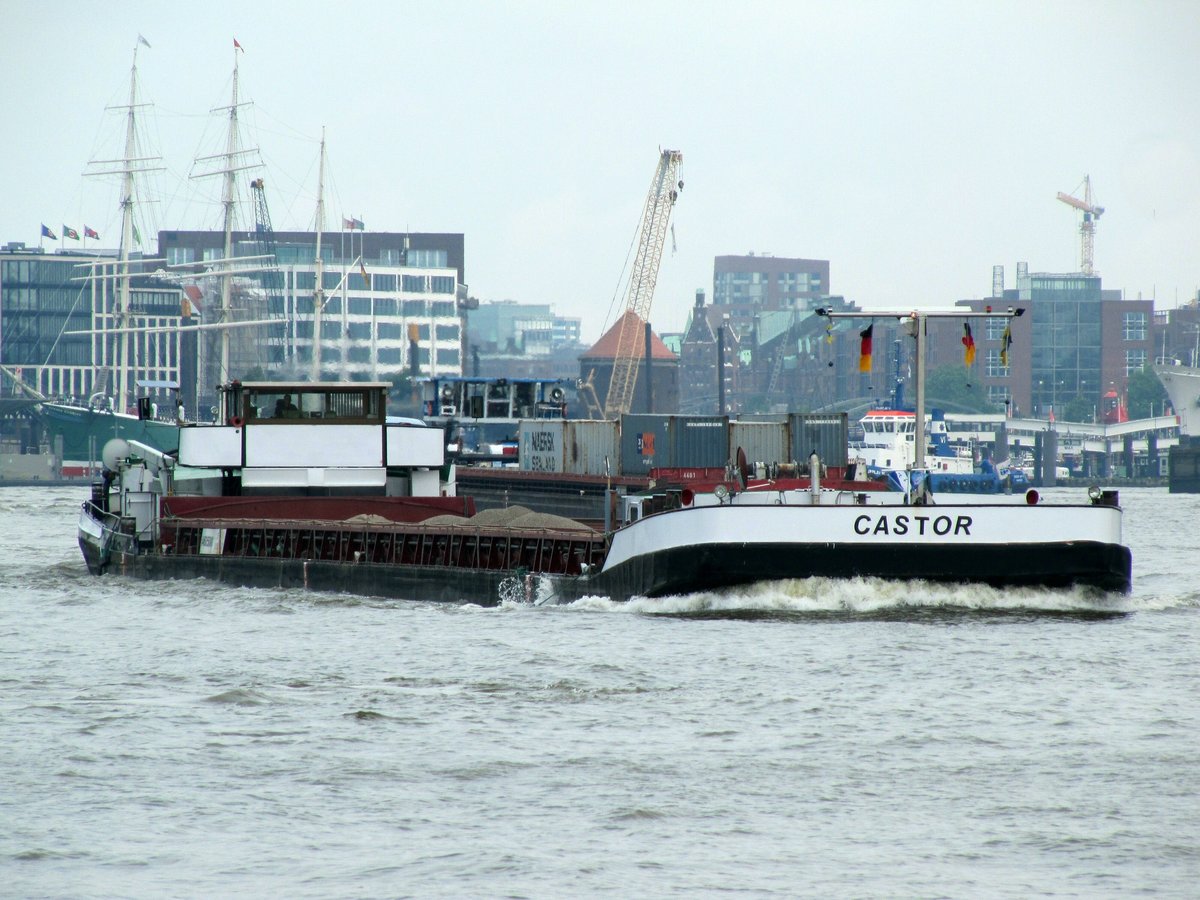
[(914, 145)]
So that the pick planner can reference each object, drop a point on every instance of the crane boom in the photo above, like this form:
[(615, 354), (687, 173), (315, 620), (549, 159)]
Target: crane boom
[(1074, 201), (664, 191)]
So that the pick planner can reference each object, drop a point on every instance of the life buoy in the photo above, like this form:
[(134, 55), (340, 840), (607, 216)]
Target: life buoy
[(236, 421)]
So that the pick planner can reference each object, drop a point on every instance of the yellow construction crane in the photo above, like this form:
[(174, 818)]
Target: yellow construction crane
[(664, 191), (1087, 229)]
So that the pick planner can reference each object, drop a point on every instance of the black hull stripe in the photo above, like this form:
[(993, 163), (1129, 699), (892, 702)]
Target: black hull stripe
[(681, 570)]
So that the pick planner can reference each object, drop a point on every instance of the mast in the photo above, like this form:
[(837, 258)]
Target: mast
[(127, 167), (227, 200), (235, 159), (319, 290)]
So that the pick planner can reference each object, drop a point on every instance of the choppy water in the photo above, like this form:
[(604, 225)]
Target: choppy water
[(821, 739)]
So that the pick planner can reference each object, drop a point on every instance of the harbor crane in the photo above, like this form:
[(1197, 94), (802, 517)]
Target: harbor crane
[(1087, 229), (664, 191), (270, 278)]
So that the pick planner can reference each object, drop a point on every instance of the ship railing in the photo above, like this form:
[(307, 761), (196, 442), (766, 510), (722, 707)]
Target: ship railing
[(536, 550), (118, 532)]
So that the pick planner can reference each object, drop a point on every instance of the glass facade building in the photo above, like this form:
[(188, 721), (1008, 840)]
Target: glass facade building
[(1065, 353), (45, 296)]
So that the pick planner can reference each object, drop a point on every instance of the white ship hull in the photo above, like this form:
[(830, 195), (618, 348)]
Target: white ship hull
[(1183, 387)]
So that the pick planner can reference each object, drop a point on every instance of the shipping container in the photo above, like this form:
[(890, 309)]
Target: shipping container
[(827, 434), (699, 442), (592, 447), (645, 443), (765, 442), (541, 444)]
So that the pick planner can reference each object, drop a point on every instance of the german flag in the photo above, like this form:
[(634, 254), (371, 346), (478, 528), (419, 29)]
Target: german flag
[(864, 348), (968, 345)]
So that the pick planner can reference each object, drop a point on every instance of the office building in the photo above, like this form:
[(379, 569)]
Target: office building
[(58, 319)]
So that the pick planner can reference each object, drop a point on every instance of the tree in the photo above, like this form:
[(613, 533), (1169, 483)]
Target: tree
[(1146, 394), (1078, 409), (947, 387)]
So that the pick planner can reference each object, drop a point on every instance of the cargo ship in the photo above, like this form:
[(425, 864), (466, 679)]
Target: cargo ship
[(309, 485)]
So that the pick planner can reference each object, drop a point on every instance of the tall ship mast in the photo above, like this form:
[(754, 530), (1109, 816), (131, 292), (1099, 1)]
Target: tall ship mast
[(115, 328), (235, 159), (319, 289), (129, 166)]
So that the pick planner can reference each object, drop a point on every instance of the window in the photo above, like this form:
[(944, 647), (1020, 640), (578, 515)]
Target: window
[(414, 284), (442, 284), (444, 308), (415, 307), (385, 282), (997, 393), (390, 332), (360, 306), (447, 333), (427, 259), (359, 331), (447, 357), (994, 367), (1134, 327), (994, 326), (1135, 361), (390, 356), (177, 256), (358, 354)]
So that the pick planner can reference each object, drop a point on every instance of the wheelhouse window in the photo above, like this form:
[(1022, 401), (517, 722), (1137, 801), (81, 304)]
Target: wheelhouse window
[(283, 403)]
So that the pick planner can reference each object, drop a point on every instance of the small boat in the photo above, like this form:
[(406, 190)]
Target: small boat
[(888, 449), (327, 494)]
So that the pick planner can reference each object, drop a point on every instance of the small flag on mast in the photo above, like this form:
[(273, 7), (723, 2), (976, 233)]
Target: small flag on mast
[(142, 40), (968, 345), (46, 232), (237, 46), (362, 267), (864, 350), (69, 232), (90, 233), (352, 224), (1005, 343)]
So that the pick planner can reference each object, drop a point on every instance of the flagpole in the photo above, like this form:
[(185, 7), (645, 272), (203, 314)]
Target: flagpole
[(915, 322)]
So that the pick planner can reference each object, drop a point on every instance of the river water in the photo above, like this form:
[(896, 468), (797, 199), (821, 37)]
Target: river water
[(821, 739)]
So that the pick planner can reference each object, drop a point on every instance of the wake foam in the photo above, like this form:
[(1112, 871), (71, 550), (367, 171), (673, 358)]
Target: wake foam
[(874, 597)]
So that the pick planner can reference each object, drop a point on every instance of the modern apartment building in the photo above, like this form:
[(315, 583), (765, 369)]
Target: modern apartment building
[(391, 301), (746, 286)]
